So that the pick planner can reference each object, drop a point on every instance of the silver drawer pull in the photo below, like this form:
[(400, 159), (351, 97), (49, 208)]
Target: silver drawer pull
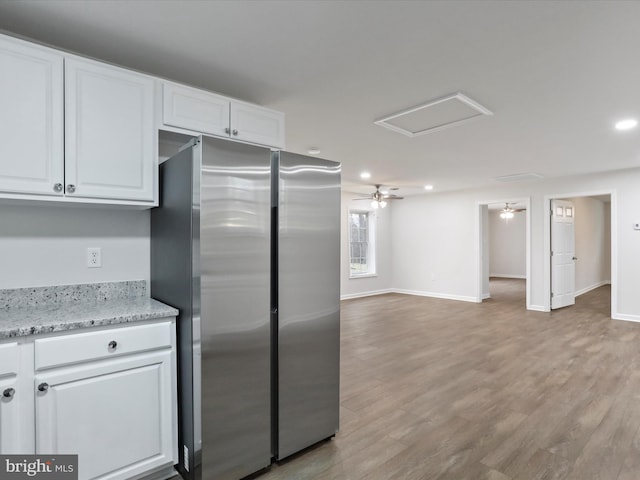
[(113, 345), (43, 387), (235, 132), (57, 187), (8, 393), (71, 188)]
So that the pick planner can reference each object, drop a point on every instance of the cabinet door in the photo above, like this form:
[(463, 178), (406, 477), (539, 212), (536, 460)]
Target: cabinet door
[(10, 417), (110, 139), (31, 119), (117, 415), (254, 124), (16, 399), (195, 110)]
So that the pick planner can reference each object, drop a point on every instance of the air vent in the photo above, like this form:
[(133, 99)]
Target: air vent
[(434, 115), (519, 177)]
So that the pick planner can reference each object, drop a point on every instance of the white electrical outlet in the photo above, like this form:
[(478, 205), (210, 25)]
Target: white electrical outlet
[(94, 257)]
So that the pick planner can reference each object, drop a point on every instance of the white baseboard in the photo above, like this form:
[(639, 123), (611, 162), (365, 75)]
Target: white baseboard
[(626, 317), (537, 308), (446, 296), (591, 287), (506, 275), (462, 298), (486, 295), (365, 294)]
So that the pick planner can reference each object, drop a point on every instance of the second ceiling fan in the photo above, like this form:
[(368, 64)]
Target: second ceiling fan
[(508, 211), (379, 198)]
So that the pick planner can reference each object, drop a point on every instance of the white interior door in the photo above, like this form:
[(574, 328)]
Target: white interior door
[(563, 268)]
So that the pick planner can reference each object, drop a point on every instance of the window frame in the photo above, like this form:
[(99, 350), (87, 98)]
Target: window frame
[(371, 243)]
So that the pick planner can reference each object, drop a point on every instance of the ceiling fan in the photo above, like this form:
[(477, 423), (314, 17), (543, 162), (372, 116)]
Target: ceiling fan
[(379, 198), (507, 212)]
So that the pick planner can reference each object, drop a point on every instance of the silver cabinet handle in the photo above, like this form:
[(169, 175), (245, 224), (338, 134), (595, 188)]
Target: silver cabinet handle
[(235, 132), (71, 188), (227, 131), (113, 345), (43, 387), (8, 393), (57, 187)]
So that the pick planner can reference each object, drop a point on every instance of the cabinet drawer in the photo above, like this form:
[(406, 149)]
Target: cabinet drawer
[(87, 346), (9, 359)]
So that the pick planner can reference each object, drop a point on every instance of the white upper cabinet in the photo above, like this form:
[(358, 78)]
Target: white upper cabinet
[(199, 111), (109, 132), (254, 124), (31, 118)]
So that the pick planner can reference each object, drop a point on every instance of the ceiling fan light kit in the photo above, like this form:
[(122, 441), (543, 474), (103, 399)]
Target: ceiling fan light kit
[(508, 212)]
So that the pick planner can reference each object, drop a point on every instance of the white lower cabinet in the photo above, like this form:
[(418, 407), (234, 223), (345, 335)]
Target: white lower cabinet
[(107, 395), (115, 415), (16, 399)]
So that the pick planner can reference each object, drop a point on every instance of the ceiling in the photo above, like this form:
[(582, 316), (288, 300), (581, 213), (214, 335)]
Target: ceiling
[(556, 75)]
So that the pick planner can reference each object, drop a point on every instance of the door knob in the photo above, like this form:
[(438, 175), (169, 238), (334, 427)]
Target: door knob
[(57, 187), (71, 188), (574, 258), (43, 387), (8, 393)]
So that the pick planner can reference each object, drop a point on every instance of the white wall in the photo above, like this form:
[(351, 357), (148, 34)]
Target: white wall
[(592, 237), (507, 245), (47, 245), (381, 282), (434, 246)]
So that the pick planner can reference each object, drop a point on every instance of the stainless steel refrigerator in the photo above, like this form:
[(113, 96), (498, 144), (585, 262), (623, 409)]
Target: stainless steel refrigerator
[(246, 244)]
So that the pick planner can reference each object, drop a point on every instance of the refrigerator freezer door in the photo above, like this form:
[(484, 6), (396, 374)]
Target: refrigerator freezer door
[(309, 301), (235, 224)]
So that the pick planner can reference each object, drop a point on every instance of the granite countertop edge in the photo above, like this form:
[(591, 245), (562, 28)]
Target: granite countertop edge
[(34, 320)]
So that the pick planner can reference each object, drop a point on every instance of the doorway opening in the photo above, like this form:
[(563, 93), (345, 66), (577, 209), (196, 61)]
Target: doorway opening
[(504, 251), (580, 247)]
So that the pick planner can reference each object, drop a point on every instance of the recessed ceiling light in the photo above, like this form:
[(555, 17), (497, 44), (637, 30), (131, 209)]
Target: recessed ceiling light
[(627, 124), (313, 151), (428, 187), (365, 175)]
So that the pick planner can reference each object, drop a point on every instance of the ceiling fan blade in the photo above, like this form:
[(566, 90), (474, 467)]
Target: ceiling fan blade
[(363, 198), (392, 197)]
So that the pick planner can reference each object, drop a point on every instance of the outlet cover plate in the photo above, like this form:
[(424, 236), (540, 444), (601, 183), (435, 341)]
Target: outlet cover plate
[(94, 257)]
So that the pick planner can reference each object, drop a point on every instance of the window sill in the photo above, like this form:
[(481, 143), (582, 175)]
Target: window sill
[(363, 275)]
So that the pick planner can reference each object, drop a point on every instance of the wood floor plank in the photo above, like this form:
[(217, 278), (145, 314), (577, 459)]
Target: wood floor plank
[(434, 389)]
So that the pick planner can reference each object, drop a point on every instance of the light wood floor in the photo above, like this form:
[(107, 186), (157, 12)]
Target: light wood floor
[(438, 389)]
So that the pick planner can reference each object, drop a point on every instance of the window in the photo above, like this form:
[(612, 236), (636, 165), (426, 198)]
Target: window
[(361, 244)]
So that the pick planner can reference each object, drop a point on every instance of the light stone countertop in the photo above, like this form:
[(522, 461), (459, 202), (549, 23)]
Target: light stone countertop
[(36, 317)]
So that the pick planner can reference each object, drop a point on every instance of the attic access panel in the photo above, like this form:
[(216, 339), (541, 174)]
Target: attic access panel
[(435, 115)]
